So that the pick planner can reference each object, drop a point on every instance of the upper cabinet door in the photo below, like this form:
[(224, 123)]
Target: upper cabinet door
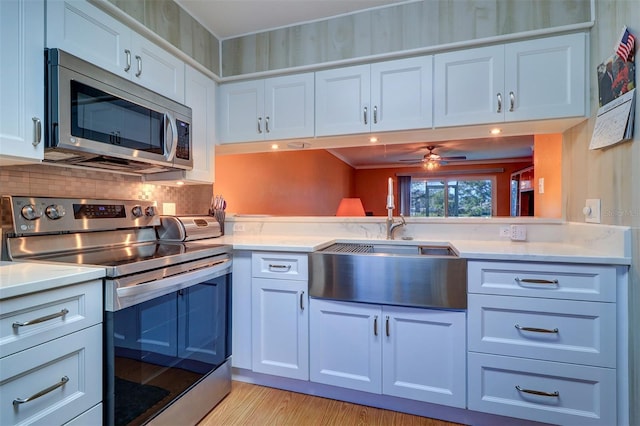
[(401, 94), (289, 106), (547, 78), (156, 69), (85, 31), (342, 101), (468, 86), (21, 81), (200, 97), (240, 109)]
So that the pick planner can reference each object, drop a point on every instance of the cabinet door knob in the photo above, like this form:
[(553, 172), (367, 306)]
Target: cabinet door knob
[(37, 131), (260, 125), (512, 101), (375, 325), (302, 301), (499, 96), (375, 114), (266, 124), (127, 67), (387, 326), (365, 114)]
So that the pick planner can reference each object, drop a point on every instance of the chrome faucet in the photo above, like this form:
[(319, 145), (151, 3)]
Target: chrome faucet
[(392, 224)]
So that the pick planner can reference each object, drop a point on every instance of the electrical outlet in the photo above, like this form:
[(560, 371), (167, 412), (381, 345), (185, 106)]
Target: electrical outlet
[(505, 232), (238, 227), (518, 233), (541, 186)]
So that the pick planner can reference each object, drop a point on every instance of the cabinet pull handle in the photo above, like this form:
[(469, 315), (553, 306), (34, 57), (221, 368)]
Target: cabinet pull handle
[(266, 124), (535, 281), (19, 401), (37, 131), (375, 115), (139, 59), (128, 66), (62, 313), (539, 393), (302, 301), (375, 325), (279, 268), (536, 330), (387, 326), (512, 101), (499, 96), (260, 125), (366, 121)]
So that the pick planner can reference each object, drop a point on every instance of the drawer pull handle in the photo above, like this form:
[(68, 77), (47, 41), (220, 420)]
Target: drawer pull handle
[(41, 319), (536, 281), (387, 326), (375, 325), (555, 394), (536, 330), (19, 401), (302, 301), (279, 268)]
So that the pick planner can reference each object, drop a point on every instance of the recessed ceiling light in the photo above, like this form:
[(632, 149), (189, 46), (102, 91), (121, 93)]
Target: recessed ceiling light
[(373, 139), (496, 131)]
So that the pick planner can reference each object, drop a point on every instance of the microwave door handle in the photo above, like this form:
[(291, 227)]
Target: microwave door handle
[(170, 147)]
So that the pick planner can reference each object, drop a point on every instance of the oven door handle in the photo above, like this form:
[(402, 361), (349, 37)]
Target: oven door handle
[(133, 295)]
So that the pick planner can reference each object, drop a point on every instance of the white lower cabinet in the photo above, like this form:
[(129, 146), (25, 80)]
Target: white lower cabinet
[(543, 341), (55, 381), (544, 391), (405, 352), (280, 315)]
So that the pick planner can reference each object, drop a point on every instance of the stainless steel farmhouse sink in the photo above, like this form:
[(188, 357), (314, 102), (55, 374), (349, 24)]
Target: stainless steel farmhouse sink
[(393, 274)]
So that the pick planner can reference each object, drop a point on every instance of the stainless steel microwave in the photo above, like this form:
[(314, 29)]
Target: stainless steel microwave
[(99, 120)]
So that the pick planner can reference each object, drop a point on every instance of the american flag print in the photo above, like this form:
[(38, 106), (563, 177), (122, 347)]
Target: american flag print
[(625, 47)]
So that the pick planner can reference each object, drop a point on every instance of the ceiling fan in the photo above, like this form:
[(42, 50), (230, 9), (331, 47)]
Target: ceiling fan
[(432, 160)]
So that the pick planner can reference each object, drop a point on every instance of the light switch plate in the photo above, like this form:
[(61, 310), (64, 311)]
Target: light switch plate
[(592, 210)]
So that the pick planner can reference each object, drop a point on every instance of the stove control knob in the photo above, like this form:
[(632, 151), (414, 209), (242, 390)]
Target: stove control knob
[(30, 212), (150, 211), (136, 211), (55, 211)]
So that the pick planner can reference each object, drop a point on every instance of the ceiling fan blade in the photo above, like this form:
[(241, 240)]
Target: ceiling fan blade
[(412, 160), (459, 157)]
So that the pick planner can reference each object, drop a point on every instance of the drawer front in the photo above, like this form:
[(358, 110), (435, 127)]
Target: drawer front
[(284, 266), (550, 329), (559, 281), (74, 362), (585, 395), (48, 315)]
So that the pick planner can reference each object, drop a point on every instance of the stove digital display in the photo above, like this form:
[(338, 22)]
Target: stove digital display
[(98, 211)]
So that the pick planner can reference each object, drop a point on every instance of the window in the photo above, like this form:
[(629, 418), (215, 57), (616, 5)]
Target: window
[(447, 197)]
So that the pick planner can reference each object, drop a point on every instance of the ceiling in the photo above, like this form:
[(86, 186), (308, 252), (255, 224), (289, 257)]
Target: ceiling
[(231, 18), (476, 151)]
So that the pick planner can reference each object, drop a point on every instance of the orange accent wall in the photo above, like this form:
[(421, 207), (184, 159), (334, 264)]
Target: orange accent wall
[(547, 160), (283, 183), (312, 183)]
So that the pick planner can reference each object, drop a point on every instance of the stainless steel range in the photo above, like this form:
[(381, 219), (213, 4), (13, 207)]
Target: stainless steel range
[(167, 335)]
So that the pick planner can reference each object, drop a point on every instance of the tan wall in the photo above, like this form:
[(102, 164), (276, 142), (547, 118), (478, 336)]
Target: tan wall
[(547, 161)]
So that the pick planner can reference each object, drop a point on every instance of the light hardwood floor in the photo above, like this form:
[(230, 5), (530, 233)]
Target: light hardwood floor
[(249, 404)]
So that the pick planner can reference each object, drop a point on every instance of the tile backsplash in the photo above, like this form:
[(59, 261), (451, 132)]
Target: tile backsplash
[(55, 181)]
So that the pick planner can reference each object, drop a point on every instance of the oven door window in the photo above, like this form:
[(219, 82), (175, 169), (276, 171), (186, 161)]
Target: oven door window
[(162, 347), (103, 117)]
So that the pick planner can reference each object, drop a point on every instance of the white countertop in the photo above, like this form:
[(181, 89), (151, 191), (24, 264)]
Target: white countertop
[(20, 278), (469, 249)]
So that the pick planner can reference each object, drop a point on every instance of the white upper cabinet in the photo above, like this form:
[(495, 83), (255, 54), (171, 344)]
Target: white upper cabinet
[(384, 96), (528, 80), (21, 81), (267, 109), (91, 34), (200, 96)]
